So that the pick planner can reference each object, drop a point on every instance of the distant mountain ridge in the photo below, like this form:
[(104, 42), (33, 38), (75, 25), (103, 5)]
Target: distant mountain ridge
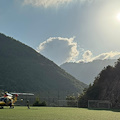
[(86, 72), (22, 69)]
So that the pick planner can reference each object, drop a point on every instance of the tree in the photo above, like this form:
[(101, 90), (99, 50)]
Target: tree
[(71, 101), (38, 102)]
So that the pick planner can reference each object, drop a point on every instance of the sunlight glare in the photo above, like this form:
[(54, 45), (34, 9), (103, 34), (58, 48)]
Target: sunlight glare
[(118, 16)]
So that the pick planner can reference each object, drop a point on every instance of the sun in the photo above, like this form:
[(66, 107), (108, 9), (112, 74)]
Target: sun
[(118, 16)]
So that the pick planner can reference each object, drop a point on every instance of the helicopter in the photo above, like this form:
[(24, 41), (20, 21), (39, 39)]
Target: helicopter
[(10, 98)]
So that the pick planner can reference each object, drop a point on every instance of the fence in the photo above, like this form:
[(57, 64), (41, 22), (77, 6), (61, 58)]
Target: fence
[(99, 104)]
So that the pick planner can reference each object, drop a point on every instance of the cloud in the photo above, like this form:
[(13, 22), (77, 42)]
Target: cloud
[(87, 56), (109, 55), (59, 49), (52, 3), (45, 3)]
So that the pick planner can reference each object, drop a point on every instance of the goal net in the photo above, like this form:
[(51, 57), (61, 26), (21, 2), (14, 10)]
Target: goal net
[(99, 104)]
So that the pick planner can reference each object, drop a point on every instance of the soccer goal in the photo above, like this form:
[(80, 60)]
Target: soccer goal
[(99, 104)]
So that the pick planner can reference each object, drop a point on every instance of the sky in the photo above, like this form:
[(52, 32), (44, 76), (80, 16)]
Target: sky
[(64, 30)]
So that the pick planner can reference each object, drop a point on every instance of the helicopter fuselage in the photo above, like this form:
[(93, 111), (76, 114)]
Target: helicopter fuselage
[(4, 101)]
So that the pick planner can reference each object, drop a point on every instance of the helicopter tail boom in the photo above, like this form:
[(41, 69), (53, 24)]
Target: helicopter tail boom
[(15, 99)]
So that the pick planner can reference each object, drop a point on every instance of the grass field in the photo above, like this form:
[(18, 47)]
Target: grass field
[(56, 113)]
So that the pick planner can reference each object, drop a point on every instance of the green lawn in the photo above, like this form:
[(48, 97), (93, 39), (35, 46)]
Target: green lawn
[(56, 113)]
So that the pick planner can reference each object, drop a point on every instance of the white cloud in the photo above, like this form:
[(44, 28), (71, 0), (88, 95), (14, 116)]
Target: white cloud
[(46, 3), (109, 55), (59, 49), (50, 3), (87, 56)]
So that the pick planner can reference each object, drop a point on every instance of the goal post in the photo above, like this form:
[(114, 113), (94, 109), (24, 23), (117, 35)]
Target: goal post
[(99, 104)]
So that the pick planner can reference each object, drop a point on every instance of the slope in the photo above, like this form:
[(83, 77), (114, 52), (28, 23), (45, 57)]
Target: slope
[(86, 72), (22, 69), (106, 87)]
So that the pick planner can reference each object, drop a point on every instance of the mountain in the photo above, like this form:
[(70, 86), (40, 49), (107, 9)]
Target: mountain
[(22, 69), (106, 87), (86, 72)]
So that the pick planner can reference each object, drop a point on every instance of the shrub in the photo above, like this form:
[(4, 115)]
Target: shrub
[(39, 103)]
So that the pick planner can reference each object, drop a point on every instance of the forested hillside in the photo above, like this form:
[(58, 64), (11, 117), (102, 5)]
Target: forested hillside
[(22, 69), (106, 87)]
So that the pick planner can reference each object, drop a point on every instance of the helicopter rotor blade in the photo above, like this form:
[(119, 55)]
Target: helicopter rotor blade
[(22, 93)]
